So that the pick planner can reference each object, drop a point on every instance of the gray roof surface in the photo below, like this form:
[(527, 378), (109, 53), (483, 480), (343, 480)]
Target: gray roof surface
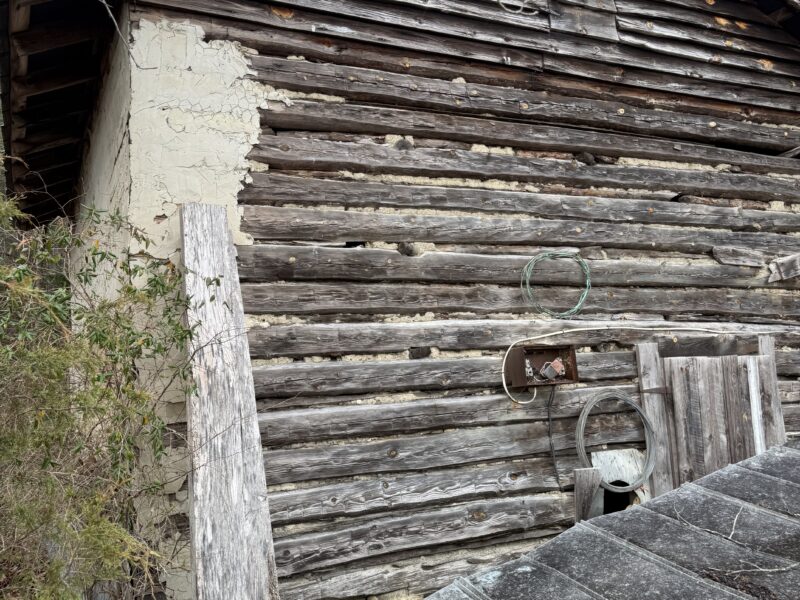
[(732, 534)]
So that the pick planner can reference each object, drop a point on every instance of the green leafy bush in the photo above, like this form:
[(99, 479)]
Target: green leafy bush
[(90, 340)]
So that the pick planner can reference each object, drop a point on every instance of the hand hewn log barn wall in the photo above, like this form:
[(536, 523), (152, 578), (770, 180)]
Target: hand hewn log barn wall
[(413, 154)]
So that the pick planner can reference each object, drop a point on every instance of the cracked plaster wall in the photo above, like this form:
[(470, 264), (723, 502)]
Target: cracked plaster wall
[(175, 120)]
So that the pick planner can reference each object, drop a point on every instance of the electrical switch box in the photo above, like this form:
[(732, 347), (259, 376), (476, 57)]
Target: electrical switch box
[(528, 366)]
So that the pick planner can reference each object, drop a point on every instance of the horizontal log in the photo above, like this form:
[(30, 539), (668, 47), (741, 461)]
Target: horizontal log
[(673, 84), (729, 8), (283, 427), (421, 529), (283, 152), (292, 224), (264, 263), (420, 575), (457, 447), (335, 378), (534, 17), (319, 298), (338, 377), (350, 118), (565, 44), (385, 34), (697, 35), (277, 189), (703, 54), (409, 490), (734, 26), (378, 86), (355, 338)]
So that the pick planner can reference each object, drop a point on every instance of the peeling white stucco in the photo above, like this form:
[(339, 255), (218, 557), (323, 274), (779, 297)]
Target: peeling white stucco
[(193, 120)]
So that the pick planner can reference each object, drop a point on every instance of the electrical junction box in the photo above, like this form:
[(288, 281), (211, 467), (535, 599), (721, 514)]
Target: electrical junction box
[(528, 366)]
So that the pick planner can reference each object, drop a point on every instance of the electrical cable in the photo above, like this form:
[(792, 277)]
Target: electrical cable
[(649, 439), (550, 436), (527, 274)]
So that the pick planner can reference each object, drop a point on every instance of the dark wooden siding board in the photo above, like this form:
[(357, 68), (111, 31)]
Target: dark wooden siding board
[(351, 118), (778, 462), (774, 429), (423, 39), (765, 491), (371, 85), (741, 441), (714, 39), (735, 25), (298, 153)]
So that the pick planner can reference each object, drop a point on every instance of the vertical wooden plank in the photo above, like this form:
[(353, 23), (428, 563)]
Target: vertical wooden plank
[(774, 428), (658, 407), (711, 402), (679, 373), (232, 553), (737, 409), (588, 494), (750, 364)]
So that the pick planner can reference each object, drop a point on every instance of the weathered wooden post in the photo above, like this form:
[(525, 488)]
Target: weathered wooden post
[(231, 537)]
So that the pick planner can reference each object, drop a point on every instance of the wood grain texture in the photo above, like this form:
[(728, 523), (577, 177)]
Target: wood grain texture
[(293, 224), (380, 298), (454, 447), (403, 491), (277, 189), (787, 267), (298, 153), (738, 413), (229, 513), (658, 408), (587, 491), (379, 86), (774, 428), (423, 528), (264, 263), (357, 118), (470, 334)]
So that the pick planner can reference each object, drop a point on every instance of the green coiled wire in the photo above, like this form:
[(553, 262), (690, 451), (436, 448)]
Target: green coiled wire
[(526, 281)]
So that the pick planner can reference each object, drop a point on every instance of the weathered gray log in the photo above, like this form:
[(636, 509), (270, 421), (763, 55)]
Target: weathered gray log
[(785, 268), (587, 492), (292, 224), (738, 256), (277, 189), (353, 118), (454, 447), (410, 490), (228, 510), (283, 152), (263, 263), (423, 528), (698, 52), (346, 377), (376, 298), (562, 44), (738, 413), (280, 427), (774, 429), (714, 39), (581, 21), (652, 388), (459, 334), (408, 90)]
